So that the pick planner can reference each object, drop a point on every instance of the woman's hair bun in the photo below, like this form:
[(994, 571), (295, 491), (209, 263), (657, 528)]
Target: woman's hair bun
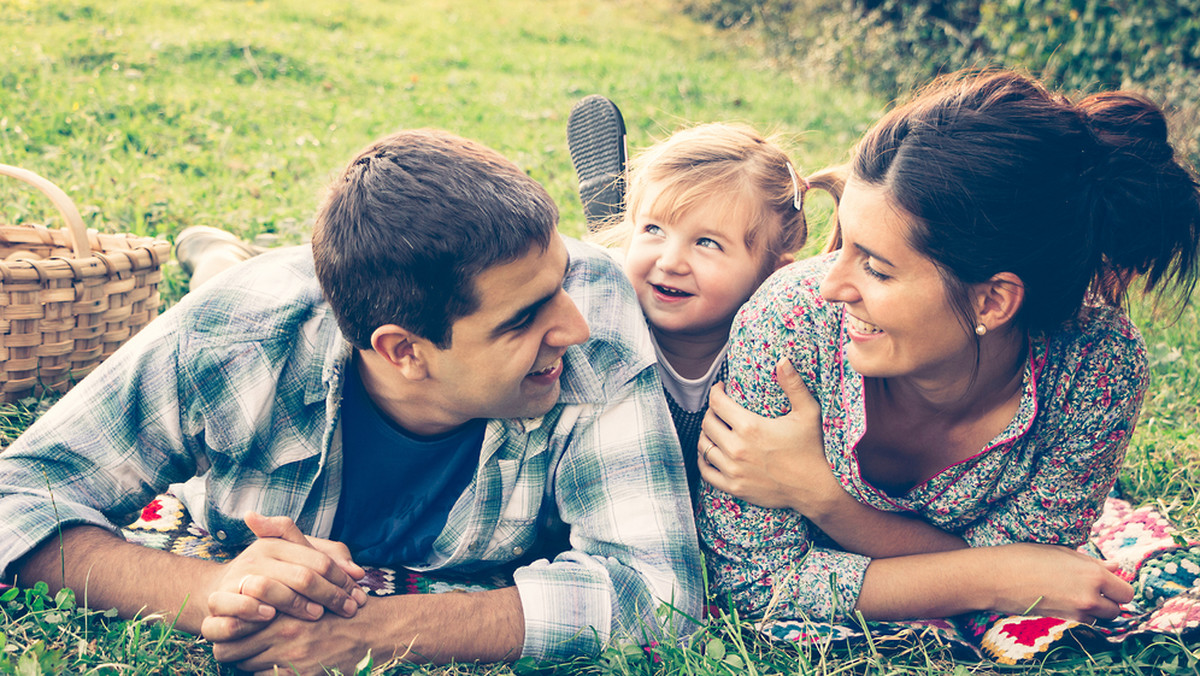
[(1143, 202)]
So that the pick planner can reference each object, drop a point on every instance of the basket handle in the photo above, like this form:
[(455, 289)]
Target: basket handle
[(83, 248)]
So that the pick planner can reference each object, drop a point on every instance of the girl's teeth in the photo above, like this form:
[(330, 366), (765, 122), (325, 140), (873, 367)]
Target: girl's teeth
[(671, 292)]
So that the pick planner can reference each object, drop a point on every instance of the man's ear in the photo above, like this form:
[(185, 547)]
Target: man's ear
[(403, 349), (998, 300)]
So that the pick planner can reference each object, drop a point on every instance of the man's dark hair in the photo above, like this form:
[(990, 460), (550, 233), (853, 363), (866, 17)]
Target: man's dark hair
[(410, 224)]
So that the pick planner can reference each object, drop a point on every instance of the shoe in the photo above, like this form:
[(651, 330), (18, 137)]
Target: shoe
[(596, 140), (203, 251)]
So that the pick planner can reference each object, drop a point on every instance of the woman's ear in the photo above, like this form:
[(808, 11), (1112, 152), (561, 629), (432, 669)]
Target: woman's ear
[(403, 350), (998, 300)]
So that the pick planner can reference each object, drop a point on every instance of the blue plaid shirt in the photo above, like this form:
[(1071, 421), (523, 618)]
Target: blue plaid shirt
[(231, 398)]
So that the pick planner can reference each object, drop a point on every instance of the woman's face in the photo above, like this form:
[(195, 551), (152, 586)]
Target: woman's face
[(898, 315)]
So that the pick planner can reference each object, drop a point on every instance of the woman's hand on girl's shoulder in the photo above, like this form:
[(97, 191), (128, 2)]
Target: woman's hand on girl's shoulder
[(769, 462)]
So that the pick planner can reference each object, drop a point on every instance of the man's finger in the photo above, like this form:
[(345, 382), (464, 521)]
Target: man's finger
[(275, 527), (341, 556), (294, 590), (241, 606), (222, 628), (334, 584), (237, 649)]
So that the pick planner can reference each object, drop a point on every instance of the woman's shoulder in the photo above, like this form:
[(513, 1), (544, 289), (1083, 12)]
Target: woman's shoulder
[(1098, 330), (794, 290), (1099, 350)]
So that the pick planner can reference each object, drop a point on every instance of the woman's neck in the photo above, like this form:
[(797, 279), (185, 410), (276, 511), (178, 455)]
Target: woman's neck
[(691, 355), (965, 393), (918, 426)]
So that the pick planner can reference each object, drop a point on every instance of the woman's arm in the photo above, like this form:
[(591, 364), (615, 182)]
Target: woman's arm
[(780, 463), (1016, 579)]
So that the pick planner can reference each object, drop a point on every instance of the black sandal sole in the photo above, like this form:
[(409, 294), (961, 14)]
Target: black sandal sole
[(596, 140)]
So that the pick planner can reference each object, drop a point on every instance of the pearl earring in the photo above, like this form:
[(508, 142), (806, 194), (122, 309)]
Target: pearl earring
[(980, 329)]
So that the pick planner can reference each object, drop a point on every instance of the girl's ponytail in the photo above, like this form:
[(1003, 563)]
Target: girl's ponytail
[(832, 180)]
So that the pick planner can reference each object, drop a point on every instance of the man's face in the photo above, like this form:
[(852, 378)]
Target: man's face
[(505, 359)]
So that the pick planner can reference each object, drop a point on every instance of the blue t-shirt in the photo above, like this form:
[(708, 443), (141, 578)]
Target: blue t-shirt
[(397, 488)]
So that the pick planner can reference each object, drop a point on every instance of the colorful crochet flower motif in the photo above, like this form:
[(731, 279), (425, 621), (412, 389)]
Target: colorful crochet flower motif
[(1015, 639)]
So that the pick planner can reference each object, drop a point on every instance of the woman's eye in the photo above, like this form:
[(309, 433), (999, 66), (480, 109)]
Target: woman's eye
[(708, 243), (872, 271), (652, 229)]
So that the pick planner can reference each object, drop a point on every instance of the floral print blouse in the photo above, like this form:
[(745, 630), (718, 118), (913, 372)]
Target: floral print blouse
[(1042, 479)]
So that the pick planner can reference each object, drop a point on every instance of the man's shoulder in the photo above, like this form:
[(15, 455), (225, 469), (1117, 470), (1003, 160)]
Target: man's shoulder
[(619, 347), (257, 298)]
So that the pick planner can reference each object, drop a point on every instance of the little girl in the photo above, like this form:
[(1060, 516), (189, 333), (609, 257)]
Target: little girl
[(711, 213)]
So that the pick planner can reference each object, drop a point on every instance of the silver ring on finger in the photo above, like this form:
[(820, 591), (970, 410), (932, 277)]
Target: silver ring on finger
[(242, 584), (707, 449)]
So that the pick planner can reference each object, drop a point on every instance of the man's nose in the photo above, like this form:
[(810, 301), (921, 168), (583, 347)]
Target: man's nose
[(570, 328)]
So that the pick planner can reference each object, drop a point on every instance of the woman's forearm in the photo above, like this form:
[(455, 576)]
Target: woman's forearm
[(862, 529), (1015, 579)]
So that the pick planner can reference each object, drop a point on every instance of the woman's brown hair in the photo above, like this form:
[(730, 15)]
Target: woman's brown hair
[(1075, 199)]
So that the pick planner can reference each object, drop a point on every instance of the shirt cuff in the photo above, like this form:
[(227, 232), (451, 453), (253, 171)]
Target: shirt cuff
[(825, 585), (30, 521), (567, 608)]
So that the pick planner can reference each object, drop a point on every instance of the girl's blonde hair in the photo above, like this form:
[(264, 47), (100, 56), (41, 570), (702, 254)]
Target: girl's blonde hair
[(714, 159)]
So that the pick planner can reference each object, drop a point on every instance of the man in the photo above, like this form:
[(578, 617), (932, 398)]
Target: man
[(440, 374)]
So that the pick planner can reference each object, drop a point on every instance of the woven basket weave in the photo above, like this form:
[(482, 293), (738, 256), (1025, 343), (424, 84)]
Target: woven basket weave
[(70, 297)]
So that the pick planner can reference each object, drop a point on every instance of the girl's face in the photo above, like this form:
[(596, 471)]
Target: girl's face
[(898, 315), (693, 271)]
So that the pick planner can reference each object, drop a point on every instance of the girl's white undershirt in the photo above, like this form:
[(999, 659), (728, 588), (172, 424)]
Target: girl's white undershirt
[(690, 394)]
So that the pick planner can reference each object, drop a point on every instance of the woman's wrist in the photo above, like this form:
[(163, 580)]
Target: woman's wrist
[(822, 498)]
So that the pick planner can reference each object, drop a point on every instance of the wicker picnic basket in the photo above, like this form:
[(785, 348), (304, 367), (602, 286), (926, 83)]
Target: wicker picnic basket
[(70, 297)]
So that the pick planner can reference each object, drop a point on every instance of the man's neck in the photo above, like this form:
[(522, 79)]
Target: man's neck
[(401, 401)]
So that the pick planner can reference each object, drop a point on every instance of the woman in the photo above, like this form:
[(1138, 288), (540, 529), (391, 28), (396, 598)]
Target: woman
[(976, 379)]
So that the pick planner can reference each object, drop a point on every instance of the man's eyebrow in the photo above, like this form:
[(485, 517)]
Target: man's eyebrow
[(520, 316), (874, 255)]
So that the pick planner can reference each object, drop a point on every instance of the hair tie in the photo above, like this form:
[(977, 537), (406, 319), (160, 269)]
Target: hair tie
[(797, 191)]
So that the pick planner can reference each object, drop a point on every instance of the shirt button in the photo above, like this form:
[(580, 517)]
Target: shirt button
[(472, 547), (517, 551), (221, 535)]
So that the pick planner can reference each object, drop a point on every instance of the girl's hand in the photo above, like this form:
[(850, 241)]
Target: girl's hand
[(770, 462)]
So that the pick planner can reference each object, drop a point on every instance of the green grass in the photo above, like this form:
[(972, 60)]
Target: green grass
[(235, 114)]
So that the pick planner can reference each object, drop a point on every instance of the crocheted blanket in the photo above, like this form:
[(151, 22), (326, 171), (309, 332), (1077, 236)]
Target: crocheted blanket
[(1162, 566), (165, 524)]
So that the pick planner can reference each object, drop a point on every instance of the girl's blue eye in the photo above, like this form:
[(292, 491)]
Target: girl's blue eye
[(652, 229), (708, 243)]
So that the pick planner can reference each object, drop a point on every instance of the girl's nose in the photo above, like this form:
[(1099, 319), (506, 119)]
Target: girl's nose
[(673, 260)]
